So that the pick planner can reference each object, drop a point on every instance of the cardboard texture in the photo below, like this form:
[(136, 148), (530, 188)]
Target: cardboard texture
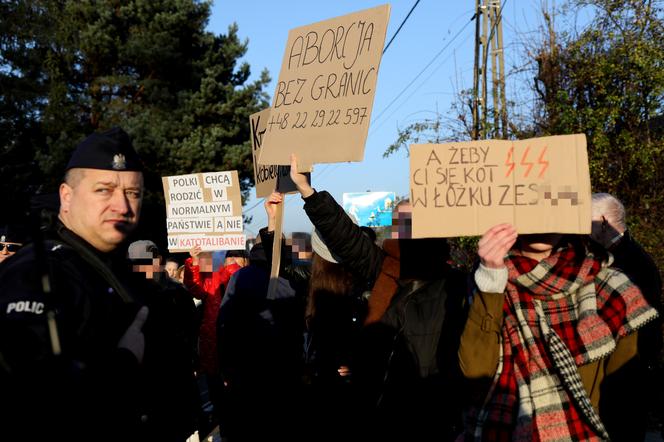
[(324, 97), (268, 178), (204, 209), (371, 209), (539, 185)]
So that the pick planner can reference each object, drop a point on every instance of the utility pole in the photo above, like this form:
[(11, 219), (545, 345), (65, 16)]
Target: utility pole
[(488, 19)]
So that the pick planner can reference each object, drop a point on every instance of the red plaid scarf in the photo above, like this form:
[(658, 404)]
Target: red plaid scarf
[(558, 314)]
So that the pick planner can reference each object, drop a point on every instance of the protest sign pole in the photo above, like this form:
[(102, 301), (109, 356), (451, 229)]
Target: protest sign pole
[(276, 251)]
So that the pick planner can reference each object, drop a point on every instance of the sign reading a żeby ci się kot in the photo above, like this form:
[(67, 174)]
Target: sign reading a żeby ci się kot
[(539, 185), (204, 209)]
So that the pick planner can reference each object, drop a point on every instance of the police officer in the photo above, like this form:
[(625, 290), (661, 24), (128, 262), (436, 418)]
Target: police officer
[(71, 340)]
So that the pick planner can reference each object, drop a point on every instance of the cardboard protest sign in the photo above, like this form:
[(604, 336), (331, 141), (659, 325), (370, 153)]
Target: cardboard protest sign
[(268, 178), (539, 185), (371, 209), (204, 209), (323, 100)]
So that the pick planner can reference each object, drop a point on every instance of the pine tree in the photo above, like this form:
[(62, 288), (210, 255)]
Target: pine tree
[(71, 67)]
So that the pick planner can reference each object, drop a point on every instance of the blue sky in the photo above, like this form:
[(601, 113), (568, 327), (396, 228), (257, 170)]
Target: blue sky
[(429, 61)]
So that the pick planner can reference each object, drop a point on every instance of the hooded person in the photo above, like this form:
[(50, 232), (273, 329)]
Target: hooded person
[(551, 326)]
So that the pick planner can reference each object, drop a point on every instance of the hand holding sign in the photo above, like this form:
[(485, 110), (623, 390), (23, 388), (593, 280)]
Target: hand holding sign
[(494, 245), (300, 179), (270, 204)]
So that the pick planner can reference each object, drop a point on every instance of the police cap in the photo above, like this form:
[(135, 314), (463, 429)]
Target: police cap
[(110, 150)]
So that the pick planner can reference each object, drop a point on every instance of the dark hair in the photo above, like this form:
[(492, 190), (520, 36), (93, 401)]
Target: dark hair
[(329, 278)]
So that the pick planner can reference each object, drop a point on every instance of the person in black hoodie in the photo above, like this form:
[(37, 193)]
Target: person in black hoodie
[(171, 392)]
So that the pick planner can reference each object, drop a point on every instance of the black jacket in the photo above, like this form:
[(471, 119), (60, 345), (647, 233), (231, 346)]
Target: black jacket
[(408, 363), (92, 390)]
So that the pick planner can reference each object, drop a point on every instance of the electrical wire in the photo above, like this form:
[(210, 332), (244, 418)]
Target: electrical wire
[(400, 26), (421, 72), (328, 167)]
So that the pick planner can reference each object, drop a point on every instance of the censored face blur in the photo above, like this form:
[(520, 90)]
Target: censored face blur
[(402, 221), (205, 262), (149, 267), (300, 248)]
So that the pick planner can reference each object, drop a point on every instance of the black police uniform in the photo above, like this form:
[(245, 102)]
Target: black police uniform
[(91, 390)]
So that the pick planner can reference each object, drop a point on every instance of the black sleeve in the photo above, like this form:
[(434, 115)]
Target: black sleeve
[(343, 237), (78, 388)]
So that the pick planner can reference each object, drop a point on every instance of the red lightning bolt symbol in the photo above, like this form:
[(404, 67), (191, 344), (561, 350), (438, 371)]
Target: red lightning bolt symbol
[(509, 161), (545, 164), (524, 163)]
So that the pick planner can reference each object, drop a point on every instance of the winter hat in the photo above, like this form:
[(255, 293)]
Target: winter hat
[(143, 249)]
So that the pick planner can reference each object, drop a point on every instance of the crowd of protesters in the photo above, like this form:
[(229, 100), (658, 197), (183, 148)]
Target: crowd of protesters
[(104, 337)]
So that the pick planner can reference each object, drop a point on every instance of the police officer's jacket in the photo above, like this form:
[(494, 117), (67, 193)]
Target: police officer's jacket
[(88, 391)]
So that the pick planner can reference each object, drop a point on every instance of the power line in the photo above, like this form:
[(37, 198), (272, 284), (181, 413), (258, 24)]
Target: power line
[(253, 207), (420, 73), (400, 26), (375, 126), (329, 167)]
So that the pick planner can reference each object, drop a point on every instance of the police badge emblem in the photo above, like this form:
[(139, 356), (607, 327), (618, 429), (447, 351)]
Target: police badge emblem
[(119, 162)]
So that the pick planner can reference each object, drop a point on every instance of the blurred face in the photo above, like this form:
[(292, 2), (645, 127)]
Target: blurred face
[(149, 268), (101, 206), (8, 248), (300, 250), (205, 262), (171, 268), (402, 220)]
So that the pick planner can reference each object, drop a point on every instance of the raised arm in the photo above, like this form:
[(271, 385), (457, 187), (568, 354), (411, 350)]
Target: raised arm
[(342, 236), (193, 280)]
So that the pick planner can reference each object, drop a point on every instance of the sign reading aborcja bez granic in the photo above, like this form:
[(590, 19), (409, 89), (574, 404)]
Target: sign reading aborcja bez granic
[(323, 99)]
